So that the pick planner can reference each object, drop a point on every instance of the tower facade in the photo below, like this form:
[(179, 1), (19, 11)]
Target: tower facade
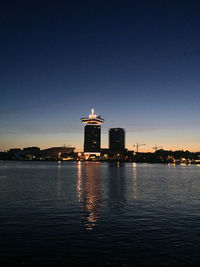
[(117, 140), (92, 133)]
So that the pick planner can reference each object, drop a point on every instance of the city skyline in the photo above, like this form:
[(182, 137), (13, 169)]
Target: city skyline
[(135, 146), (136, 64), (105, 142)]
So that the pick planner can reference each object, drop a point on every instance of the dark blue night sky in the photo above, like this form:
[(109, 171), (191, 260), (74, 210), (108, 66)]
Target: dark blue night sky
[(137, 63)]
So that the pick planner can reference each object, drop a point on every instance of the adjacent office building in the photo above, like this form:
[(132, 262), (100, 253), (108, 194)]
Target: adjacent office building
[(92, 135), (117, 140)]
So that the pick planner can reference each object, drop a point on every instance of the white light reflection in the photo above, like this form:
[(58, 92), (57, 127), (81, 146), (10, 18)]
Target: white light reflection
[(59, 180), (134, 180), (79, 180), (92, 194), (88, 191)]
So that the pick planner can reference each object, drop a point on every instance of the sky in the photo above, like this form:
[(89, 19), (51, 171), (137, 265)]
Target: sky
[(137, 63)]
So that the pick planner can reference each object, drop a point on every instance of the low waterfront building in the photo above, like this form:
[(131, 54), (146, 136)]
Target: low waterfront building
[(56, 152)]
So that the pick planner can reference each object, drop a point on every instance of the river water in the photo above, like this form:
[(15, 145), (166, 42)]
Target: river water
[(99, 213)]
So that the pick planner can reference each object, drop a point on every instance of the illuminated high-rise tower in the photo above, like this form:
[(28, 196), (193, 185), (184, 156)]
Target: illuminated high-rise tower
[(92, 137)]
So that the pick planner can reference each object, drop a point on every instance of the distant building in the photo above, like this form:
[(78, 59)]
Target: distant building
[(105, 150), (14, 150), (92, 133), (117, 140), (31, 150), (55, 152), (30, 153), (14, 153)]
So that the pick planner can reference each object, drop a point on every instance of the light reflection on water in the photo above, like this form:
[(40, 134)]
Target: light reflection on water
[(134, 180), (99, 212), (89, 191), (79, 181), (59, 181)]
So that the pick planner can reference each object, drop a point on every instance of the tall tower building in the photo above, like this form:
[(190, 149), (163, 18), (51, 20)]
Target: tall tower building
[(117, 140), (92, 136)]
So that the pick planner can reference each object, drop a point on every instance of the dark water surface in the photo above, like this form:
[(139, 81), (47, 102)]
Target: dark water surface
[(97, 213)]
